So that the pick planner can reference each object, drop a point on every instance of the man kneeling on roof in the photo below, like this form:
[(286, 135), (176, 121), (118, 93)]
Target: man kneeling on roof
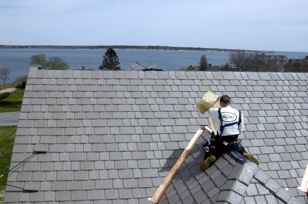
[(231, 123)]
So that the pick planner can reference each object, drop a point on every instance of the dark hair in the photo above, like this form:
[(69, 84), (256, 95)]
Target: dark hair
[(225, 99)]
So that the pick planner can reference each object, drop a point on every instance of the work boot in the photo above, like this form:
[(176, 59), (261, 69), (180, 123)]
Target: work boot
[(251, 158), (207, 163)]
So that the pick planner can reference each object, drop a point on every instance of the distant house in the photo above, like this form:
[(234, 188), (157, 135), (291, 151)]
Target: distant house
[(293, 61), (297, 65), (281, 59), (275, 62), (139, 67), (259, 62), (299, 60)]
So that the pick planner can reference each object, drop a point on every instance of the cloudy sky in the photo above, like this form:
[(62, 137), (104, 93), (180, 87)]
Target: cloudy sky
[(278, 25)]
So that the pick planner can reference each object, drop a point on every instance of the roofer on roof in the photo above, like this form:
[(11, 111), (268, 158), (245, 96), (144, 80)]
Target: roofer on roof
[(229, 123)]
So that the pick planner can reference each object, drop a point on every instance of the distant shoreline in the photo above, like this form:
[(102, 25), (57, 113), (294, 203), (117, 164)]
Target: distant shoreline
[(147, 47)]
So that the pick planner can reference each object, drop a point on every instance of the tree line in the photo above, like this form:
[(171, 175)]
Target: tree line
[(110, 62), (254, 61), (238, 61), (139, 47), (250, 61)]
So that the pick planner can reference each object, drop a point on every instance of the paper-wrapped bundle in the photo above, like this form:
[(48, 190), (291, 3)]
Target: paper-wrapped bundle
[(208, 101)]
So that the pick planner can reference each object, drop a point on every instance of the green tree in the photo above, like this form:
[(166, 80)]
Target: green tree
[(57, 63), (203, 63), (110, 61), (52, 63), (4, 74), (39, 59)]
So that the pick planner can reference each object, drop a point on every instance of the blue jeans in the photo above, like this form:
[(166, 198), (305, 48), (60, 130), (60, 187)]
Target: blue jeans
[(218, 148)]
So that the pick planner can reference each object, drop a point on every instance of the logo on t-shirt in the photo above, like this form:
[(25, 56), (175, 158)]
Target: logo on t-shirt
[(228, 117)]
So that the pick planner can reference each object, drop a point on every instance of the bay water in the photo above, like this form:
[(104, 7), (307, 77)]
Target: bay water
[(17, 59)]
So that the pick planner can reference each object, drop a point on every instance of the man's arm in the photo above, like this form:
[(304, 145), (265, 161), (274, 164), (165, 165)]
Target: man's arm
[(213, 115)]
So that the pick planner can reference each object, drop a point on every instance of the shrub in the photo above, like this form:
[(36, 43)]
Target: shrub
[(14, 99), (4, 95), (10, 103), (21, 85)]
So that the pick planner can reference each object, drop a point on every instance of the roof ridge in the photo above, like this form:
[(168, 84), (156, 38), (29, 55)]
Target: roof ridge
[(235, 189)]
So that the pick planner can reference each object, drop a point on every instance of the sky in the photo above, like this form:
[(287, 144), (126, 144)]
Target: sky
[(269, 25)]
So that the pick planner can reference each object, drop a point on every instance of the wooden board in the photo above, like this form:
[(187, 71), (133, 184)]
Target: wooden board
[(164, 185), (304, 184)]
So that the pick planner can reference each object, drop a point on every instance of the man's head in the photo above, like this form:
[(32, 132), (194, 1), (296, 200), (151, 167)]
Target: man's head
[(225, 100)]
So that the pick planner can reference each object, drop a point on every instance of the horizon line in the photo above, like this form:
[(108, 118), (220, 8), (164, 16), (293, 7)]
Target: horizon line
[(158, 47)]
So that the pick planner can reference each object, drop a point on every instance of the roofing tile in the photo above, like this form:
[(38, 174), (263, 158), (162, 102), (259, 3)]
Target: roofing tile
[(253, 76)]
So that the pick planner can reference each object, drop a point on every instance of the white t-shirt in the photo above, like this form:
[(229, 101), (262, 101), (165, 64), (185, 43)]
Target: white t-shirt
[(229, 115)]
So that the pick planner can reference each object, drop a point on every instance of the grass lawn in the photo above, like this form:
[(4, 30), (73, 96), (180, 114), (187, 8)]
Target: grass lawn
[(15, 96), (7, 136), (4, 109)]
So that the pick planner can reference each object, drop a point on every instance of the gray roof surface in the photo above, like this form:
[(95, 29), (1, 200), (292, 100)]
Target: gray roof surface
[(112, 136), (231, 179)]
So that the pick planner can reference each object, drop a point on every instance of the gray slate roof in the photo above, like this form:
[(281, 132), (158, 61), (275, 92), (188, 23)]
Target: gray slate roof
[(231, 179), (112, 136)]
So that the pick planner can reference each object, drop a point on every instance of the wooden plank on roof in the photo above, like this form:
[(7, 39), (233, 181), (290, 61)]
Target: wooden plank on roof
[(164, 185), (304, 184)]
